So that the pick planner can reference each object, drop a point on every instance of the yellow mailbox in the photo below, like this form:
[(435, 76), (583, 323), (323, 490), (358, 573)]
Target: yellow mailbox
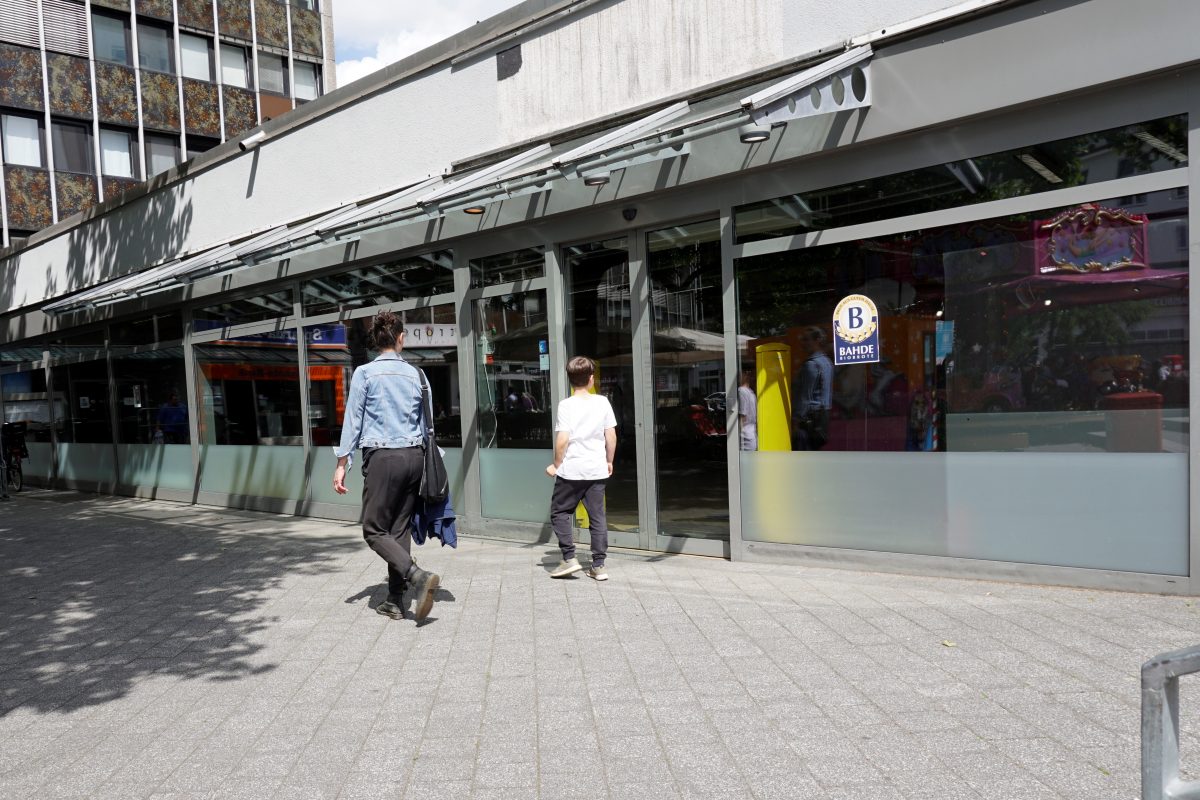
[(773, 366)]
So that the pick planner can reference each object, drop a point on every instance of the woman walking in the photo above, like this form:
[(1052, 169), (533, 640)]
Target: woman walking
[(385, 417)]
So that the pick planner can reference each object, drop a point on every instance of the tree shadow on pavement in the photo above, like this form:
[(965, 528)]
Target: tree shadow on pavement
[(98, 593)]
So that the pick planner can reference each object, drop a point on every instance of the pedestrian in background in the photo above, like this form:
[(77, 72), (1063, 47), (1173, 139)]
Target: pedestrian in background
[(747, 411), (385, 417), (585, 443)]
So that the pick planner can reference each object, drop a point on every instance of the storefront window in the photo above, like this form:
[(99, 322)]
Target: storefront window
[(26, 403), (82, 407), (152, 402), (689, 380), (242, 310), (1061, 335), (250, 390), (424, 275), (1117, 153), (515, 405), (518, 265), (147, 330)]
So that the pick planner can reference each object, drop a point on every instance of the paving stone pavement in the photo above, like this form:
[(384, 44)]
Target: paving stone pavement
[(154, 650)]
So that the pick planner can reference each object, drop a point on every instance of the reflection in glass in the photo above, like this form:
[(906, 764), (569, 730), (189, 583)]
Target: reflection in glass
[(513, 371), (519, 265), (1107, 155), (25, 401), (336, 348), (81, 394), (600, 326), (250, 390), (689, 380), (422, 275), (242, 310), (1064, 330), (152, 404)]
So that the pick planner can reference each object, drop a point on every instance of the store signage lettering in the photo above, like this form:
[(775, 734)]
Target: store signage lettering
[(855, 331)]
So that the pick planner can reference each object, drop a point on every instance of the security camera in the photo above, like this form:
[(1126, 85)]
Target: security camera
[(629, 214)]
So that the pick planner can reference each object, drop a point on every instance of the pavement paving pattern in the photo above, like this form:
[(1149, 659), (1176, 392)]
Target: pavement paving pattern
[(155, 650)]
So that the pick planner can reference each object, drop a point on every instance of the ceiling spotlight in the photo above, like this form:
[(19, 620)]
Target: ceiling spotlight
[(595, 179), (253, 140), (752, 132), (476, 210), (1049, 302)]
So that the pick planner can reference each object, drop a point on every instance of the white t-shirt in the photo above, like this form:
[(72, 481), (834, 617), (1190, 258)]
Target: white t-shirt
[(748, 408), (585, 417)]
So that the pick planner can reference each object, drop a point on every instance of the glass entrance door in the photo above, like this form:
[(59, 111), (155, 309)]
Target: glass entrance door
[(683, 264)]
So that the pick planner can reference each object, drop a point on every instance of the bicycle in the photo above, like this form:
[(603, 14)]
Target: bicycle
[(15, 451)]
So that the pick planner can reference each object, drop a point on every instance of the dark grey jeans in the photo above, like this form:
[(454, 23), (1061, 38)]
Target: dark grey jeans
[(566, 497), (391, 480)]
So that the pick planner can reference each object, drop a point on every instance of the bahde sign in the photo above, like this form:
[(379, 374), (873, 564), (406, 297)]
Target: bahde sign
[(855, 331)]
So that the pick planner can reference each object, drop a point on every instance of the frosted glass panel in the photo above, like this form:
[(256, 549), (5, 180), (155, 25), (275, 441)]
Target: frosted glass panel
[(85, 462), (116, 155), (322, 479), (251, 471), (196, 57), (156, 466), (22, 141), (514, 485), (1119, 511), (39, 462)]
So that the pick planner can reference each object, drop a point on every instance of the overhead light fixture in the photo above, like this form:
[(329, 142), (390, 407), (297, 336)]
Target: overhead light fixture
[(1049, 302), (596, 179), (474, 210), (1041, 169), (253, 140), (752, 133), (1158, 144)]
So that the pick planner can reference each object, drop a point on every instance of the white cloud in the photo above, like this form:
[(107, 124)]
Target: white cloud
[(370, 34)]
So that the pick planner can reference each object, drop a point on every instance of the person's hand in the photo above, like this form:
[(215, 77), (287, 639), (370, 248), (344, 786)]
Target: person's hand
[(610, 469), (339, 480), (551, 470)]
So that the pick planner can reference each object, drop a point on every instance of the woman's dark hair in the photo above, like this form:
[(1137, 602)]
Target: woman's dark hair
[(386, 328)]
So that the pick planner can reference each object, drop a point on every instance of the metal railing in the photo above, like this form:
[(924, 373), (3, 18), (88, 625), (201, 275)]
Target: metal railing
[(1160, 725)]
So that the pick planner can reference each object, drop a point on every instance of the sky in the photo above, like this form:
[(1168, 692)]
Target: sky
[(370, 34)]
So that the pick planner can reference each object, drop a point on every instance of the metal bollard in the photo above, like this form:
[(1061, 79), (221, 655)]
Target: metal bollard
[(1160, 725)]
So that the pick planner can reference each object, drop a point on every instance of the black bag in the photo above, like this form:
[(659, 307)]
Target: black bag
[(435, 482)]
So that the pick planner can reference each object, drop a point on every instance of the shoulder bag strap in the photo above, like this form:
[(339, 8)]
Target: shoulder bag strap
[(427, 396)]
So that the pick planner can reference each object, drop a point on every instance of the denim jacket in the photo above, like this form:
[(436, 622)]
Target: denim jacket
[(384, 408)]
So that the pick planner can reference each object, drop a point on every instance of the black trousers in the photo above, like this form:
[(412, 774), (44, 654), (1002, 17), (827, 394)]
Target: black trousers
[(391, 480), (566, 497)]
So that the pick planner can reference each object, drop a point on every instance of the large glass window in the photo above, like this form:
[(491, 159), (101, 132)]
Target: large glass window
[(688, 347), (196, 54), (308, 86), (26, 402), (22, 140), (152, 405), (423, 275), (512, 369), (250, 390), (1106, 155), (81, 393), (518, 265), (117, 153), (162, 152), (272, 73), (72, 147), (110, 37), (234, 66), (154, 48)]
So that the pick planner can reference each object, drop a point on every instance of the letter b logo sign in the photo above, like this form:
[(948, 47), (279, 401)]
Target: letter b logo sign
[(856, 317)]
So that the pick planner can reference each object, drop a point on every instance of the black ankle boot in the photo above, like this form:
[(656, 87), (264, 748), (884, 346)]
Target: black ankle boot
[(424, 586)]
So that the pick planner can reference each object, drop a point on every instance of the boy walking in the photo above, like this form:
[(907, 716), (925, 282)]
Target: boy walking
[(585, 442)]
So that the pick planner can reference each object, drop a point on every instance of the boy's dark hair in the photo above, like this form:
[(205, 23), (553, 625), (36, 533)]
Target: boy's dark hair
[(579, 369), (386, 328)]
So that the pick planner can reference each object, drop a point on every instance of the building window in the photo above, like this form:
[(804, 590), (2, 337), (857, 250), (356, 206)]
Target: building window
[(200, 144), (196, 57), (311, 5), (116, 153), (234, 71), (308, 81), (110, 38), (154, 48), (72, 147), (272, 73), (162, 153), (22, 139)]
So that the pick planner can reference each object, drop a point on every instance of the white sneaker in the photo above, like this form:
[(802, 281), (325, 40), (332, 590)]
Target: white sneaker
[(566, 568), (599, 573)]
